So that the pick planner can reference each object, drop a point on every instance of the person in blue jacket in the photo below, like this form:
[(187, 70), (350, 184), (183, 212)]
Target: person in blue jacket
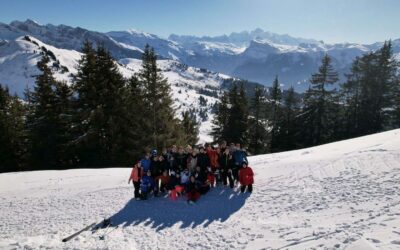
[(147, 185), (239, 156), (146, 163)]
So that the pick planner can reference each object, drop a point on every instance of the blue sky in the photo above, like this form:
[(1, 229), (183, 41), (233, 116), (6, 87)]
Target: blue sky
[(364, 21)]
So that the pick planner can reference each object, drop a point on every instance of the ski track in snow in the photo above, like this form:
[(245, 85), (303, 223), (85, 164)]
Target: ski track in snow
[(343, 195)]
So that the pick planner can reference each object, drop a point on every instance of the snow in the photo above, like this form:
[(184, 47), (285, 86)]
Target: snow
[(18, 59), (343, 195)]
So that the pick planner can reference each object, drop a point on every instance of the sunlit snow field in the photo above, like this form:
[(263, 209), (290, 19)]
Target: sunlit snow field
[(344, 195)]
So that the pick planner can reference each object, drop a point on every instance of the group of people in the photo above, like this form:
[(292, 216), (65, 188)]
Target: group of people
[(191, 171)]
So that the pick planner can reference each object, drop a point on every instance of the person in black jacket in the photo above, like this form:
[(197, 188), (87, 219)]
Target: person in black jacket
[(180, 161), (226, 165), (202, 159)]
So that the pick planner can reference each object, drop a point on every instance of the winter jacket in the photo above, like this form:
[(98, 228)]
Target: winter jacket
[(163, 165), (184, 177), (200, 176), (145, 164), (239, 156), (192, 162), (147, 184), (213, 156), (203, 161), (180, 162), (246, 176), (136, 174), (224, 162)]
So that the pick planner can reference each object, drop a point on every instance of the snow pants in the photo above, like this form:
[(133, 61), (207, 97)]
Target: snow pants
[(227, 175), (249, 188), (136, 186)]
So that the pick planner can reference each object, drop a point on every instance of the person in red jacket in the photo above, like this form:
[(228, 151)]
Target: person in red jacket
[(246, 178), (136, 174)]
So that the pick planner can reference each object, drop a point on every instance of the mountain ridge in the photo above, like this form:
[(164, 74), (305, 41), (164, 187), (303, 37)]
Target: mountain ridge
[(255, 55)]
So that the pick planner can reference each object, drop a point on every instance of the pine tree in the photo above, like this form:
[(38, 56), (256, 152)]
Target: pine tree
[(350, 94), (220, 129), (258, 134), (318, 105), (64, 111), (42, 119), (12, 133), (135, 138), (238, 115), (99, 109), (274, 114), (190, 127), (288, 133), (161, 123), (370, 92)]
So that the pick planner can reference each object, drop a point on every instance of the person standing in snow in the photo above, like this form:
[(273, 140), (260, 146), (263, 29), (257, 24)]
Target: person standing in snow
[(135, 177), (213, 156), (239, 156), (223, 146), (147, 185), (145, 162), (226, 162), (246, 178), (180, 160), (202, 160), (192, 161)]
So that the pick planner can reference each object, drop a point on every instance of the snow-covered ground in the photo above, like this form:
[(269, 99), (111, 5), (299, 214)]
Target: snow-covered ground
[(343, 195)]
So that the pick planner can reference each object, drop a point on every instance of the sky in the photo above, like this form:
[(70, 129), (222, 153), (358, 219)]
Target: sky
[(333, 21)]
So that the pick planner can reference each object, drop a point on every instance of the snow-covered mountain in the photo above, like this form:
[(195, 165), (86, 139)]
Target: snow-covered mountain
[(137, 40), (244, 38), (257, 55), (343, 195), (63, 36), (192, 88)]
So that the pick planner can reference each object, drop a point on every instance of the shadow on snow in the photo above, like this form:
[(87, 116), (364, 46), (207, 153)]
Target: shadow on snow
[(159, 213)]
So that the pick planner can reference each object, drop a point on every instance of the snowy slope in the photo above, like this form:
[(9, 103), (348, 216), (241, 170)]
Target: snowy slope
[(342, 195), (18, 59)]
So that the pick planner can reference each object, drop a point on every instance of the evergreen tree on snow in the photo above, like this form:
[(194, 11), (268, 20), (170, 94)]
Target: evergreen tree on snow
[(190, 127), (318, 104), (99, 109), (258, 135), (221, 119), (12, 132), (42, 119), (274, 110), (161, 126)]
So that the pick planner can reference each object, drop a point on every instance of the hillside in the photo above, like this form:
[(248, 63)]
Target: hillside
[(342, 195), (192, 88)]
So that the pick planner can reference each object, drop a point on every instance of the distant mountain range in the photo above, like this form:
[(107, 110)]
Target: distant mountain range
[(256, 56)]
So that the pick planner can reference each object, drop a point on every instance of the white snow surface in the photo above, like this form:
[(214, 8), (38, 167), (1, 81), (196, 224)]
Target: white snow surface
[(343, 195)]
